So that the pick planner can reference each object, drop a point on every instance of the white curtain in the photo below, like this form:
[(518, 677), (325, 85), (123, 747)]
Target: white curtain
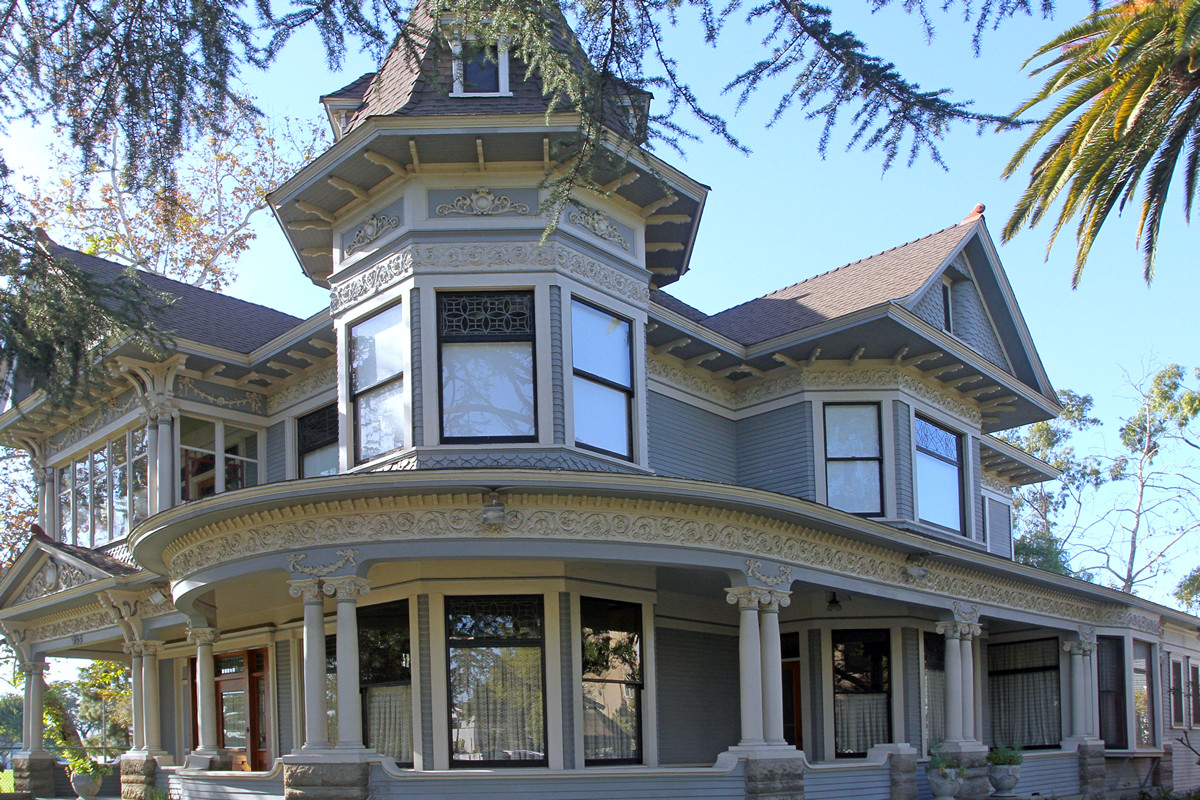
[(860, 722), (389, 721), (498, 707), (1023, 694)]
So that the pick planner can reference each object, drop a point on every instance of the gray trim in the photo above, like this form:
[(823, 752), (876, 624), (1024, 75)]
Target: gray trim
[(414, 369), (283, 697), (902, 432), (559, 403), (426, 670), (816, 704), (566, 651), (276, 455), (910, 650)]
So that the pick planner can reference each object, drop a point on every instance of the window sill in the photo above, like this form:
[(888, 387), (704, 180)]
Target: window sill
[(943, 534)]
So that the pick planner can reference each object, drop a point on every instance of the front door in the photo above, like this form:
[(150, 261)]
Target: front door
[(241, 699)]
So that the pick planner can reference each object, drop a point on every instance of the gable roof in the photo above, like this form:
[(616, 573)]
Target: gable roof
[(892, 275), (198, 315)]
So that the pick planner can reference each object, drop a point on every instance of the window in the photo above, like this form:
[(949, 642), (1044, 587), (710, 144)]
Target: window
[(603, 387), (104, 493), (1194, 692), (480, 70), (939, 474), (853, 458), (215, 457), (862, 702), (612, 681), (947, 307), (1023, 692), (1177, 693), (487, 389), (385, 676), (496, 683), (317, 439), (1110, 669), (377, 383), (935, 690), (1143, 693)]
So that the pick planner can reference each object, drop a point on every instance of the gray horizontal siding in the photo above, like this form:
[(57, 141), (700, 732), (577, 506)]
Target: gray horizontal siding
[(999, 528), (1187, 771), (1049, 775), (688, 442), (228, 787), (578, 786), (698, 710), (775, 451), (861, 783), (283, 696), (276, 453)]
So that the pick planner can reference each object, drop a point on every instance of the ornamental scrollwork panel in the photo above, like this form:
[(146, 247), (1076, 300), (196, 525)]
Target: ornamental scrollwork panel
[(53, 577), (371, 229), (482, 203)]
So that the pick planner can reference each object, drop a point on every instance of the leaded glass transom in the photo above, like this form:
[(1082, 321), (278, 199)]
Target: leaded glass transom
[(485, 315), (936, 440)]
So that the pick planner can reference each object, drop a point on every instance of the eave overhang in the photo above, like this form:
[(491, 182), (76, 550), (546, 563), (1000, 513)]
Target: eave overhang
[(384, 152)]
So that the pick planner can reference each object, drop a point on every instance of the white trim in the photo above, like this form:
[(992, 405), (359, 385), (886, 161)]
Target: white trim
[(502, 69)]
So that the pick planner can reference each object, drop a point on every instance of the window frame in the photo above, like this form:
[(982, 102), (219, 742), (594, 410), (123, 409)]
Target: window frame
[(1152, 706), (531, 338), (1193, 666), (1114, 646), (878, 459), (302, 450), (1178, 691), (353, 394), (961, 467), (458, 69), (888, 670), (639, 686), (220, 463), (68, 469), (628, 391)]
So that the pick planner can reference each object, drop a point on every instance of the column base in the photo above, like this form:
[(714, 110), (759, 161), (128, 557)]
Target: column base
[(214, 760), (324, 778), (1092, 772), (33, 772), (139, 776), (775, 778)]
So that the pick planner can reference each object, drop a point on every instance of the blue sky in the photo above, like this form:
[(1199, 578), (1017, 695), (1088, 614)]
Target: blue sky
[(783, 213)]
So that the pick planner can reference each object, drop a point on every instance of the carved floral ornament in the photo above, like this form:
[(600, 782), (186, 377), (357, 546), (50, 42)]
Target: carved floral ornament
[(598, 223), (482, 203), (371, 229), (592, 519), (53, 577)]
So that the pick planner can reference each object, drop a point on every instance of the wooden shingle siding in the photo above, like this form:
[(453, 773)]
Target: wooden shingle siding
[(556, 365), (566, 649), (816, 701), (276, 454), (426, 670), (929, 307), (868, 782), (1050, 774), (688, 442), (999, 529), (283, 696), (698, 785), (902, 416), (414, 369), (910, 648), (698, 713), (972, 325), (775, 451)]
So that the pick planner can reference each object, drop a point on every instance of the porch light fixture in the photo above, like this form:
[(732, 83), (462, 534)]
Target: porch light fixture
[(493, 510), (834, 604)]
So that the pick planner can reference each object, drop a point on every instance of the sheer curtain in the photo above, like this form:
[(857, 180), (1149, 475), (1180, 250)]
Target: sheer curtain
[(860, 722), (498, 709), (389, 721), (1023, 690)]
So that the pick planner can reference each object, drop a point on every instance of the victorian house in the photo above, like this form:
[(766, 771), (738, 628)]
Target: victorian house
[(509, 520)]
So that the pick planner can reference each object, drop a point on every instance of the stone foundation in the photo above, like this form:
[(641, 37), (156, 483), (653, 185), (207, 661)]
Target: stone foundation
[(139, 774), (774, 779), (1164, 777), (903, 776), (1091, 771), (34, 775), (316, 781)]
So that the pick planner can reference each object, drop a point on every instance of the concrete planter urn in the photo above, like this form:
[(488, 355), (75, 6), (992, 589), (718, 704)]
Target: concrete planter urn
[(944, 783), (85, 784), (1003, 778)]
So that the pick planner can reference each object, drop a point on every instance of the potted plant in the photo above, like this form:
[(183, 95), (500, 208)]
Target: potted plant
[(1004, 769), (943, 774)]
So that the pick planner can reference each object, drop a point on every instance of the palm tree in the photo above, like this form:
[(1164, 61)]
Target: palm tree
[(1127, 83)]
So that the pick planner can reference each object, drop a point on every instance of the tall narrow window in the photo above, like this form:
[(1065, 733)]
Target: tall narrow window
[(939, 474), (496, 681), (1023, 689), (853, 458), (935, 689), (215, 457), (1177, 693), (1110, 685), (1143, 693), (1194, 692), (612, 681), (487, 369), (317, 438), (603, 385), (377, 362), (862, 700), (947, 307), (385, 674), (102, 494)]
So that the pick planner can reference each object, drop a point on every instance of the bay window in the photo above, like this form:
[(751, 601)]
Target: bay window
[(377, 362), (603, 382), (317, 439), (1110, 685), (486, 346), (215, 457), (939, 473), (862, 697), (1023, 691), (853, 458), (103, 493), (612, 681), (496, 683)]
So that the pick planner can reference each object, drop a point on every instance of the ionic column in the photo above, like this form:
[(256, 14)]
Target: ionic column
[(35, 687), (309, 590), (206, 687), (772, 663), (746, 598), (152, 481), (166, 464), (138, 701), (151, 728), (1080, 702), (954, 677), (966, 636), (347, 590)]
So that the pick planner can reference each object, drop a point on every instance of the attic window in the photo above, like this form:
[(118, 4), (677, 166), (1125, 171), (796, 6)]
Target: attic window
[(947, 307), (480, 71)]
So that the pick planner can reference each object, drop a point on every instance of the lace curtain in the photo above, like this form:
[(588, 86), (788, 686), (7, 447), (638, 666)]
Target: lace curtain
[(1023, 692), (860, 722)]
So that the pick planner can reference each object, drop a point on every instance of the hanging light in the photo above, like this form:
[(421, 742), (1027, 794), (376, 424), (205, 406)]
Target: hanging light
[(834, 604)]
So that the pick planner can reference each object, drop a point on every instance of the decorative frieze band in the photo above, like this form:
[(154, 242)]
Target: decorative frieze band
[(106, 415), (309, 386)]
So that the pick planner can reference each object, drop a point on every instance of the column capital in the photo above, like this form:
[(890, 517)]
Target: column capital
[(308, 589), (745, 597), (346, 588), (34, 667), (967, 613), (199, 636), (948, 629), (772, 600), (149, 648), (1079, 648)]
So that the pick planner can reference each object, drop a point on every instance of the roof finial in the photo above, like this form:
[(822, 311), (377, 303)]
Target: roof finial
[(976, 213)]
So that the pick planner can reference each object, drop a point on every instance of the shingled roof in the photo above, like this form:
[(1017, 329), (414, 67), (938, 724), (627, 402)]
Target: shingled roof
[(198, 315), (892, 275)]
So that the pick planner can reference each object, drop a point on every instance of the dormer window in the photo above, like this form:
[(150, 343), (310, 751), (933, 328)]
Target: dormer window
[(480, 71), (377, 361)]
